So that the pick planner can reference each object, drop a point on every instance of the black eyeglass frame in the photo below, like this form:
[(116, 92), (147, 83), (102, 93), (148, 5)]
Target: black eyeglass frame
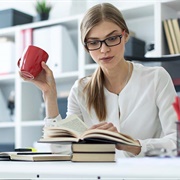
[(104, 41)]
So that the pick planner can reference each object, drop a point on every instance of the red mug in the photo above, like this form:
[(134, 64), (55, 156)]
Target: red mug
[(30, 61)]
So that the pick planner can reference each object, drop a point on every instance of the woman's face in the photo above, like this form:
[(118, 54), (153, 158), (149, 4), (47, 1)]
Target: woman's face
[(107, 57)]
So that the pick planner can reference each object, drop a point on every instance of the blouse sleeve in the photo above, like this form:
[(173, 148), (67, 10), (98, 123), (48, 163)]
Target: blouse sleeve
[(50, 122), (165, 96)]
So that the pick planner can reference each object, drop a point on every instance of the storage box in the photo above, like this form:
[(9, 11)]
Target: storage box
[(12, 17), (135, 47)]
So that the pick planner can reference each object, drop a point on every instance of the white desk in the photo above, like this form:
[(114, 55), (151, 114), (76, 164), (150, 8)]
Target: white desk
[(136, 168)]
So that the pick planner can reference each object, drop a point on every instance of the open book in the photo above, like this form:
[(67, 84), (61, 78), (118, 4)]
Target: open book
[(73, 129)]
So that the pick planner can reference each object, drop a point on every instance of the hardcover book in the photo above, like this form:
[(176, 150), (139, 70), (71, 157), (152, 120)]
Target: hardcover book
[(93, 147), (176, 27), (172, 34), (93, 157), (168, 36)]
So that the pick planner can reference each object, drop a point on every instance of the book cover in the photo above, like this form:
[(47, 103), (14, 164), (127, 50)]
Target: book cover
[(176, 29), (93, 147), (172, 34), (93, 157), (168, 37)]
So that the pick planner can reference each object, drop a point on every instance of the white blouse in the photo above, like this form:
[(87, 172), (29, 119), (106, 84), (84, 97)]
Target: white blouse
[(144, 105)]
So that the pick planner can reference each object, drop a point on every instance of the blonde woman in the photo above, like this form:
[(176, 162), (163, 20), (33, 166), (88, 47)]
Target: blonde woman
[(120, 96)]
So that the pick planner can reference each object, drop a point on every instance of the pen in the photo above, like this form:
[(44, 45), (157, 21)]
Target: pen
[(29, 149), (33, 153)]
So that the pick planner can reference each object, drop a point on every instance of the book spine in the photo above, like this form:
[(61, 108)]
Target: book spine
[(172, 34), (168, 37), (176, 28)]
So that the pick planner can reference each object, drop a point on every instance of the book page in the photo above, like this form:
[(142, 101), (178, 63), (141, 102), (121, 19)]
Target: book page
[(100, 133), (73, 123)]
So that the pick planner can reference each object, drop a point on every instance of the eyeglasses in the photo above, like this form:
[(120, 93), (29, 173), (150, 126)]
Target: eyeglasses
[(110, 41)]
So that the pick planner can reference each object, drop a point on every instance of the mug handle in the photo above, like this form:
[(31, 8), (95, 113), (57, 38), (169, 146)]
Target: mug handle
[(18, 63)]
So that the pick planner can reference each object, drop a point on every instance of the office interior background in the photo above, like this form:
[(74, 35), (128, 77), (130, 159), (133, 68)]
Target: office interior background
[(21, 104)]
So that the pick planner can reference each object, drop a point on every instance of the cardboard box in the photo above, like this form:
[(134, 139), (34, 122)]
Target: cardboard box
[(12, 17), (135, 47)]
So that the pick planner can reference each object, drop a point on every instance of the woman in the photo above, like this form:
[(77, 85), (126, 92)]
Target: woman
[(120, 95)]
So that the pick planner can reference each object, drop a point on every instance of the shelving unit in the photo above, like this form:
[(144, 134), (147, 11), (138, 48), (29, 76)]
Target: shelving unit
[(145, 21)]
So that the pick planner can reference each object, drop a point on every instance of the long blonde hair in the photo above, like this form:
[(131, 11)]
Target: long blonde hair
[(95, 87)]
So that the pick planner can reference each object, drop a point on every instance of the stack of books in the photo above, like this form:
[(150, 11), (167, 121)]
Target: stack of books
[(93, 152)]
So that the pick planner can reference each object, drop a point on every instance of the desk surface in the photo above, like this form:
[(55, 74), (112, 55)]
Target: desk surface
[(126, 168)]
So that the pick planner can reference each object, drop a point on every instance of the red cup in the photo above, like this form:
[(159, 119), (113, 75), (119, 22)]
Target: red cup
[(30, 61)]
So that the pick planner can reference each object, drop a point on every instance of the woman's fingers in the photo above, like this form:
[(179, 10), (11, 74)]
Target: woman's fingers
[(45, 67), (105, 126), (97, 126)]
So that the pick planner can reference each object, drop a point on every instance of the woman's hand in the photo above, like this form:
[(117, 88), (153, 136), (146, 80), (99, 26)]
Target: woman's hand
[(135, 150), (109, 126), (106, 126)]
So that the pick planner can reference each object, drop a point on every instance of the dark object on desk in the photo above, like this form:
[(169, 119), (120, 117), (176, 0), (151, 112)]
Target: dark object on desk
[(12, 17), (33, 153), (135, 47), (4, 157), (23, 150), (62, 105)]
